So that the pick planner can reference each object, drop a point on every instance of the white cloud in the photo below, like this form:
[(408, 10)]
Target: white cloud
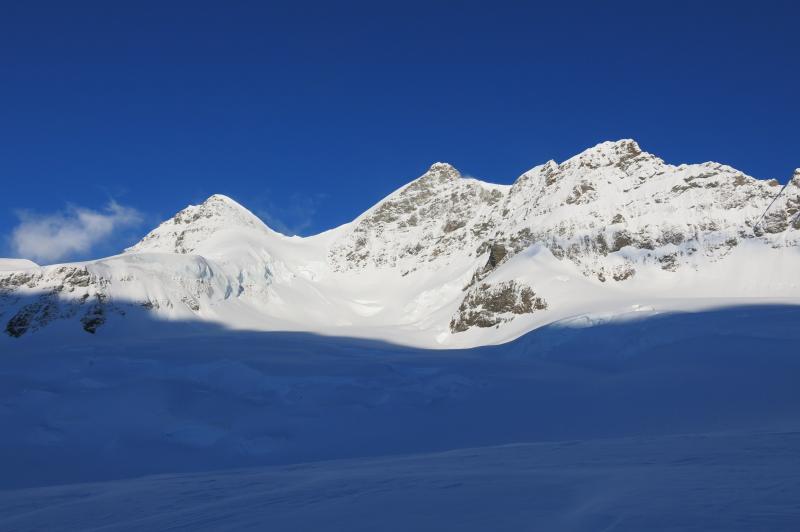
[(50, 237)]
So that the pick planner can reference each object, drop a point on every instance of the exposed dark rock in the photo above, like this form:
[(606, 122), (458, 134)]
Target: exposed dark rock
[(14, 280), (621, 240), (629, 152), (488, 305), (93, 319), (669, 262), (496, 255), (671, 237), (683, 188), (22, 320), (478, 230), (623, 272), (452, 225), (32, 316), (191, 302), (551, 174), (580, 194), (600, 244), (774, 222)]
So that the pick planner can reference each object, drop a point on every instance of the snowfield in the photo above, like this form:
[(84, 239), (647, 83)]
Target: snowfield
[(709, 482), (661, 422), (610, 343)]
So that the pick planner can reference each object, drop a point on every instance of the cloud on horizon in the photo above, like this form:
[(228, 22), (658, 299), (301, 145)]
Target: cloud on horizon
[(46, 238)]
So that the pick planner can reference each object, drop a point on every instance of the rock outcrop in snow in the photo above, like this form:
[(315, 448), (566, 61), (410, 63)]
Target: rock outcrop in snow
[(486, 305), (446, 257)]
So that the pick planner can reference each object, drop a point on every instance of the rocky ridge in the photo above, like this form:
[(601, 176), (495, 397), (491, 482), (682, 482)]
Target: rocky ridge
[(611, 213), (609, 209)]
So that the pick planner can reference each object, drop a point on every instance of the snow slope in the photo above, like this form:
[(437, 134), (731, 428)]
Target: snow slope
[(684, 421), (714, 482), (445, 261)]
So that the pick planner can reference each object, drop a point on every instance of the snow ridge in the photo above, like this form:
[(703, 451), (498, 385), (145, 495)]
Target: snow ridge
[(446, 260)]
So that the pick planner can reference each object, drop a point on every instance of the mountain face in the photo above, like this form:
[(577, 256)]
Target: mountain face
[(191, 230), (445, 260)]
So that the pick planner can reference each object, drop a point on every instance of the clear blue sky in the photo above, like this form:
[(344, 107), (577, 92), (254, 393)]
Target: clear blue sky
[(309, 112)]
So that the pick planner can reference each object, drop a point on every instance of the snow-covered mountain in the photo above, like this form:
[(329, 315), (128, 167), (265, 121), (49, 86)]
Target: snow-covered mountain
[(444, 261)]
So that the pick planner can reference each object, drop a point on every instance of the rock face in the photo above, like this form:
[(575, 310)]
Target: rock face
[(435, 216), (488, 305), (608, 210), (615, 214), (53, 293), (32, 299)]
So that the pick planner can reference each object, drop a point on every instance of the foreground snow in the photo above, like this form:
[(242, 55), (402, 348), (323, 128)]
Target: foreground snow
[(648, 422), (704, 482)]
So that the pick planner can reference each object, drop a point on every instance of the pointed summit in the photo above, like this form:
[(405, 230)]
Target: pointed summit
[(441, 172), (610, 153), (190, 227), (441, 166)]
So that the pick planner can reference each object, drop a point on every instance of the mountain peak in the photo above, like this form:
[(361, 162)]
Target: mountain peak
[(185, 231), (219, 204), (620, 154), (628, 144), (608, 153), (442, 172), (220, 198)]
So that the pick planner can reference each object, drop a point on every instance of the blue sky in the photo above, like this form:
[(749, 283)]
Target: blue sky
[(121, 113)]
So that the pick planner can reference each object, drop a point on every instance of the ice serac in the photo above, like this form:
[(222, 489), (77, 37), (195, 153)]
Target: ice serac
[(449, 260)]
